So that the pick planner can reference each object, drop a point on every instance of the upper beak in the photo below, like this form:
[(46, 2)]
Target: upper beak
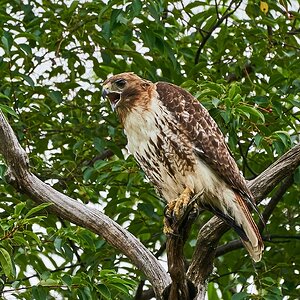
[(105, 92)]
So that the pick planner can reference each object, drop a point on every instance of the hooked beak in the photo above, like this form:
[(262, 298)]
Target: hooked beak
[(114, 97)]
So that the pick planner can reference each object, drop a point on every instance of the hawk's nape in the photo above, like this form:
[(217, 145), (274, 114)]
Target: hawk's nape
[(179, 147)]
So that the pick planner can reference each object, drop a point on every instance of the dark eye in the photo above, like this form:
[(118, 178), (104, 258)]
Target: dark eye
[(120, 83)]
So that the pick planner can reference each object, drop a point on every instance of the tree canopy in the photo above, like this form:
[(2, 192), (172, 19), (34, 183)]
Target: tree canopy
[(241, 59)]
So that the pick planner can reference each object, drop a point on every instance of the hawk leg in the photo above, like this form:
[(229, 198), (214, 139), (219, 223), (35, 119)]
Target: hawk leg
[(177, 210), (179, 217)]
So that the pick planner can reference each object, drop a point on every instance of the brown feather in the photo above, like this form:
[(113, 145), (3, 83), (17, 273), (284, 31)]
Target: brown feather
[(204, 133)]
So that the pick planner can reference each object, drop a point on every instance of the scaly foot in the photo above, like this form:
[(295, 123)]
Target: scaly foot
[(176, 210)]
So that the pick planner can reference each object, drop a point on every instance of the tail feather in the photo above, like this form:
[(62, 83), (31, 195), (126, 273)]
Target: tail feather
[(253, 243), (236, 214)]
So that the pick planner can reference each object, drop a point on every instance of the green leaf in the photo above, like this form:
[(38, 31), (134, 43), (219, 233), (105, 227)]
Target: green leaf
[(88, 172), (270, 280), (121, 287), (297, 176), (4, 97), (19, 240), (49, 282), (5, 44), (33, 236), (26, 48), (8, 110), (257, 139), (99, 144), (240, 296), (284, 137), (56, 96), (232, 91), (73, 6), (3, 169), (37, 209), (249, 111), (67, 279), (136, 7), (39, 293), (45, 275), (28, 79), (6, 263), (104, 291), (19, 207), (211, 292), (58, 243)]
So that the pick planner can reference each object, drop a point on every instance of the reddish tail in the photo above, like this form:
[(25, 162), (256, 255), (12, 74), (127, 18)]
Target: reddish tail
[(251, 239)]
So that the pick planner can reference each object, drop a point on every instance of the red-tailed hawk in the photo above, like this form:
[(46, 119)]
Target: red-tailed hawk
[(182, 151)]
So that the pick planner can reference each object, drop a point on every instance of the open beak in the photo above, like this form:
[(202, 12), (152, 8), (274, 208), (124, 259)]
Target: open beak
[(114, 97)]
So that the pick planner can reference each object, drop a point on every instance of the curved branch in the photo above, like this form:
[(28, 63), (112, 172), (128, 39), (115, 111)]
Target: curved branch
[(274, 174), (76, 212)]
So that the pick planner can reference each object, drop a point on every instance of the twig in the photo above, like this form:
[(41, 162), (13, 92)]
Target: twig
[(213, 28), (237, 244), (104, 155), (244, 156), (275, 200)]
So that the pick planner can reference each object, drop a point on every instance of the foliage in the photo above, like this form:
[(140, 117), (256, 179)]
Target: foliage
[(53, 56)]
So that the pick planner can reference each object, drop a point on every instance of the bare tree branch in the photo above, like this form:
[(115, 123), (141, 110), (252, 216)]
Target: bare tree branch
[(264, 183), (76, 212), (104, 155), (202, 261)]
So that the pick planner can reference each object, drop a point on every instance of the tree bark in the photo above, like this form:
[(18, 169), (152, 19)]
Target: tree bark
[(67, 208)]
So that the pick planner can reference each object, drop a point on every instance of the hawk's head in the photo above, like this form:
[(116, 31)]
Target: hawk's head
[(127, 90)]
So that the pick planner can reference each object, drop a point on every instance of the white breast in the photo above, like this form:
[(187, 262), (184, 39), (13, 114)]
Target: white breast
[(141, 127)]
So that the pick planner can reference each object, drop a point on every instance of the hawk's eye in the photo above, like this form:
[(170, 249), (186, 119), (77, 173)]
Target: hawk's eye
[(120, 83)]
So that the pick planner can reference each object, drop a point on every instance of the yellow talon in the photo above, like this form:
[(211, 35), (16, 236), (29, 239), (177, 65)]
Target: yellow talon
[(175, 209)]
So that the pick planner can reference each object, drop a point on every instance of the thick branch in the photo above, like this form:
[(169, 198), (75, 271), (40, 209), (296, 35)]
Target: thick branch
[(76, 212), (274, 174), (202, 261), (180, 289)]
